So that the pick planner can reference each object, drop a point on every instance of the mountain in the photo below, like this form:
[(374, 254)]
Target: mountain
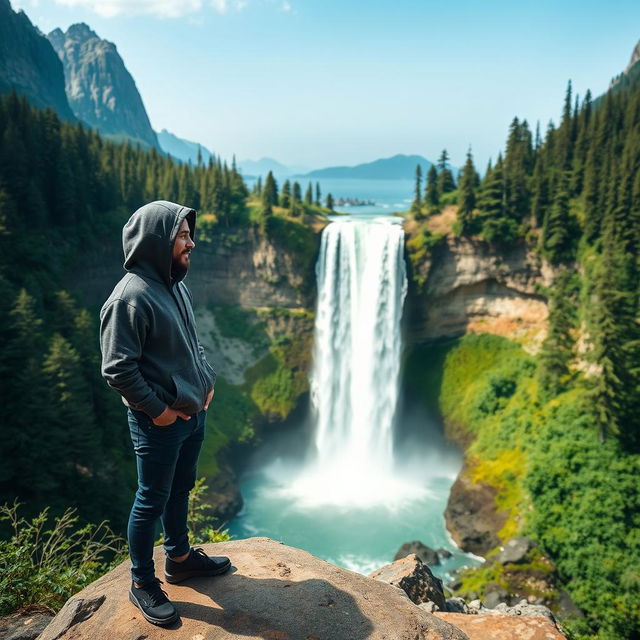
[(99, 88), (28, 63), (635, 56), (263, 166), (395, 168), (182, 149)]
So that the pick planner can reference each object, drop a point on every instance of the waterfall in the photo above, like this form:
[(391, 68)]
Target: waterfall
[(362, 285)]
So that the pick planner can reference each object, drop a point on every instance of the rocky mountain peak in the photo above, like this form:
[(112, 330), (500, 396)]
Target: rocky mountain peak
[(635, 56), (80, 31), (100, 89)]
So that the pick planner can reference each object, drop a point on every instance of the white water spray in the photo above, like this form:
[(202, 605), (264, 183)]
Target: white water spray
[(362, 285)]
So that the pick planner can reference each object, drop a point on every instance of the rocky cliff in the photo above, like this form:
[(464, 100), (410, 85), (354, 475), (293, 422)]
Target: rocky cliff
[(280, 592), (470, 286), (28, 63), (99, 88)]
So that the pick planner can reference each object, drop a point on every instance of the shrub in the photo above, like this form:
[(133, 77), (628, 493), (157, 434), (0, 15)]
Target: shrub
[(46, 566)]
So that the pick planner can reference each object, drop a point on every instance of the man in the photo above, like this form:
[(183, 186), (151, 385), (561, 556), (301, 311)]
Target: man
[(151, 355)]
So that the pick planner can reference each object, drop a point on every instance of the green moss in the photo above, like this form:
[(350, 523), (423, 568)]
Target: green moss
[(238, 322), (276, 382), (419, 248), (230, 417)]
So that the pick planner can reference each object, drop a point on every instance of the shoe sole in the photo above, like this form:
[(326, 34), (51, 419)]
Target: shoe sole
[(157, 621), (195, 573)]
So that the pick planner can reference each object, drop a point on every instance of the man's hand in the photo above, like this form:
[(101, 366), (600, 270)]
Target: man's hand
[(168, 417), (209, 398)]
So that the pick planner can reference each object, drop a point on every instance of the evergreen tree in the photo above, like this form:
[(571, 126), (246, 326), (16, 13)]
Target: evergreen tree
[(308, 196), (556, 237), (285, 195), (467, 198), (318, 195), (270, 193), (431, 195), (557, 349), (329, 203), (446, 181), (416, 205), (296, 193)]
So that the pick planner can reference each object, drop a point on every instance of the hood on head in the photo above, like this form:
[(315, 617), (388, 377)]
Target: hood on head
[(148, 238)]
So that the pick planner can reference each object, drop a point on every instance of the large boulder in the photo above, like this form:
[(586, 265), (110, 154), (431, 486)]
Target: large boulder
[(272, 591), (415, 578), (502, 627), (425, 553), (471, 514), (515, 550), (26, 624)]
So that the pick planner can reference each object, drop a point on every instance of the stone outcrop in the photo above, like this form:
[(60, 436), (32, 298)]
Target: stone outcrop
[(502, 627), (272, 591), (28, 63), (415, 578), (421, 550), (100, 90), (471, 515), (471, 287), (26, 624)]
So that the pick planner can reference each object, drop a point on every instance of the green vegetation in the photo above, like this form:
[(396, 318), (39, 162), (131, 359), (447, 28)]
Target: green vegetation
[(64, 193), (578, 497), (46, 566), (418, 251), (276, 382)]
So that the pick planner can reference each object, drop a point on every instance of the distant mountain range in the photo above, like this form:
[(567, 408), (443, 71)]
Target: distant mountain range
[(264, 165), (182, 149), (397, 167)]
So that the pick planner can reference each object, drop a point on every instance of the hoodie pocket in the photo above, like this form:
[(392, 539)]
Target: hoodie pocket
[(188, 392)]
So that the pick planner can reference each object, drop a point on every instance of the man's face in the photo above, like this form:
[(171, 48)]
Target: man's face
[(183, 246)]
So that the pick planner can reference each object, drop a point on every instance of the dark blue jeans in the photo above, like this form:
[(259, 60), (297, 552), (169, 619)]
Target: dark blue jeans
[(166, 459)]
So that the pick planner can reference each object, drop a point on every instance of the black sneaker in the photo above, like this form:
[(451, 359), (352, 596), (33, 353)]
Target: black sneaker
[(153, 602), (197, 563)]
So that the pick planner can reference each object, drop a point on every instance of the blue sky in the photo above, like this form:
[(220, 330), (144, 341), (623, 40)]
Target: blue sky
[(324, 82)]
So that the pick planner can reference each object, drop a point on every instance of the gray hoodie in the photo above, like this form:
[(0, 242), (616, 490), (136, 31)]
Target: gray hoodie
[(150, 350)]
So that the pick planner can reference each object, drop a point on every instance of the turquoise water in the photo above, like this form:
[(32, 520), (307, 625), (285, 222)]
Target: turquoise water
[(357, 537)]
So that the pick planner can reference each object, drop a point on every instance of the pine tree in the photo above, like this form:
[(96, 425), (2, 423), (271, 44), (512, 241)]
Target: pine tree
[(318, 195), (285, 195), (467, 198), (431, 195), (557, 349), (308, 196), (446, 181), (416, 205), (330, 202)]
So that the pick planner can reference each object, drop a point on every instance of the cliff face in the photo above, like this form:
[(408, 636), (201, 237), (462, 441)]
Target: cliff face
[(28, 63), (100, 90), (468, 287), (245, 269)]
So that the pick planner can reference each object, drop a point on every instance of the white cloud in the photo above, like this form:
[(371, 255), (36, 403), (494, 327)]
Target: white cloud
[(224, 6), (111, 8), (163, 8)]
